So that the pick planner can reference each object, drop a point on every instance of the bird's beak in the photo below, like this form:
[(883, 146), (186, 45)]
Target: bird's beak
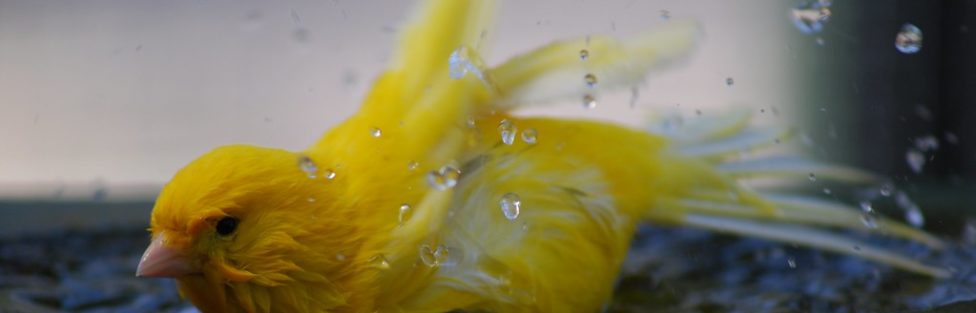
[(160, 260)]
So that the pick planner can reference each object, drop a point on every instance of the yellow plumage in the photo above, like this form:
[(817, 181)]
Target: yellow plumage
[(361, 221)]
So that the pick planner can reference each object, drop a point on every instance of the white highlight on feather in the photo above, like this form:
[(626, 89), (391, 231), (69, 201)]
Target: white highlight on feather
[(793, 166)]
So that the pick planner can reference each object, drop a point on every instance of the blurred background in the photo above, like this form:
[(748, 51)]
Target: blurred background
[(102, 101)]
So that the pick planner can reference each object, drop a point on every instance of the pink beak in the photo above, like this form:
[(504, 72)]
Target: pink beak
[(162, 261)]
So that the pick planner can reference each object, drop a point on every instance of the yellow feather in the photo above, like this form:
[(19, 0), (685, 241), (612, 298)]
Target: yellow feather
[(370, 218)]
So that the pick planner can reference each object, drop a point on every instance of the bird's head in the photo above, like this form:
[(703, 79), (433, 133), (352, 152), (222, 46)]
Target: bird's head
[(243, 227)]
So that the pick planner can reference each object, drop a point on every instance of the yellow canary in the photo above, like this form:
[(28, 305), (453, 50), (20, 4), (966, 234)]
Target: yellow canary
[(435, 196)]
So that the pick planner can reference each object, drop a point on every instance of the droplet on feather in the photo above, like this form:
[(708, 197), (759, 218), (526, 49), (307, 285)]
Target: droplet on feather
[(508, 131), (529, 135), (444, 178), (511, 205), (379, 261), (308, 166), (405, 212)]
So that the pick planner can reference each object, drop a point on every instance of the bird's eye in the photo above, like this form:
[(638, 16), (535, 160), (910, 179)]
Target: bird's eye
[(227, 225)]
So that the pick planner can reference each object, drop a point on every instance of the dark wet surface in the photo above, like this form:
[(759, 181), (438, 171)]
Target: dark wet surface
[(687, 270), (670, 270), (81, 271)]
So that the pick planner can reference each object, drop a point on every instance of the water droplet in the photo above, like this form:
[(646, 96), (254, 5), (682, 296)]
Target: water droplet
[(529, 135), (729, 81), (923, 112), (916, 160), (463, 61), (969, 232), (914, 217), (868, 215), (308, 166), (311, 199), (634, 95), (866, 207), (376, 132), (951, 138), (827, 191), (427, 256), (589, 101), (508, 131), (927, 143), (412, 165), (444, 178), (886, 189), (590, 80), (810, 17), (457, 63), (511, 205), (791, 262), (812, 177), (584, 54), (665, 14), (913, 214), (405, 213), (379, 261), (433, 257), (330, 174), (909, 39)]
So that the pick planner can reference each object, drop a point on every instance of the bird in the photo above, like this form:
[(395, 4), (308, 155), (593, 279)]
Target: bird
[(438, 195)]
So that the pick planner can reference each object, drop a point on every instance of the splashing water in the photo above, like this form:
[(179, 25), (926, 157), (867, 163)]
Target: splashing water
[(916, 160), (927, 143), (913, 213), (909, 39), (868, 215), (590, 80), (461, 62), (810, 17), (589, 101)]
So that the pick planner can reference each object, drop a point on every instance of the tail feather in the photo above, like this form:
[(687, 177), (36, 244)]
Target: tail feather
[(716, 199), (793, 166), (816, 238), (745, 140), (705, 128), (827, 213)]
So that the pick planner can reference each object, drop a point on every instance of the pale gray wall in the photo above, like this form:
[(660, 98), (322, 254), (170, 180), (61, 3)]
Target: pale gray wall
[(120, 94)]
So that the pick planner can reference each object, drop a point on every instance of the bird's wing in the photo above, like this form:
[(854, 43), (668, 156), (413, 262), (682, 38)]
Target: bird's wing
[(590, 65), (566, 237)]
